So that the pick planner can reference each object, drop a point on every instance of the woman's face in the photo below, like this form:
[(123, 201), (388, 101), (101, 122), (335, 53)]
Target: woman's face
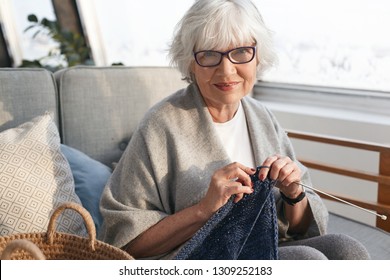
[(226, 83)]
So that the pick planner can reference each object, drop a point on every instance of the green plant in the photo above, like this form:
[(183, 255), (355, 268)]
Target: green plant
[(71, 49)]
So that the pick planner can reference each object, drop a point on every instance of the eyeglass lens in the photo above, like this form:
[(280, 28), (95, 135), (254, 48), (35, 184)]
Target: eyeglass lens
[(213, 58)]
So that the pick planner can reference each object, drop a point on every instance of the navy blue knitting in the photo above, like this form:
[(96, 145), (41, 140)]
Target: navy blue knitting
[(246, 230)]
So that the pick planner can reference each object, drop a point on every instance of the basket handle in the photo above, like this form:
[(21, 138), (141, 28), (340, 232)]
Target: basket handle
[(84, 214), (22, 244)]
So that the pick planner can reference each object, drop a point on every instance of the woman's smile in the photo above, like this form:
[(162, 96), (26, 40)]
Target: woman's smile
[(226, 86)]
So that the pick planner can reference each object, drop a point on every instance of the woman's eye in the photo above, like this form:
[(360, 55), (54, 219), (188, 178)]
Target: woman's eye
[(242, 51), (209, 54)]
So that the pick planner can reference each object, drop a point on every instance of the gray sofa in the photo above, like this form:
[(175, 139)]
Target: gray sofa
[(97, 109)]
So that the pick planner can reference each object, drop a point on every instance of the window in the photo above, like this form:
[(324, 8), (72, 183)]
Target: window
[(13, 14), (330, 42), (135, 33), (322, 42)]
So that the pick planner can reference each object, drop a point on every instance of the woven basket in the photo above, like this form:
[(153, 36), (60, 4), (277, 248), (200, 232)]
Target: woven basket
[(63, 246), (22, 246)]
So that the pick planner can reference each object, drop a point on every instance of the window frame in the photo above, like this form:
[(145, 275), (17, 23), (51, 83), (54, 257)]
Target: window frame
[(10, 32), (333, 102)]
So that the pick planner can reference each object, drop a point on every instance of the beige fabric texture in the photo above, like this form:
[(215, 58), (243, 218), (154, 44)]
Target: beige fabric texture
[(171, 158), (35, 178)]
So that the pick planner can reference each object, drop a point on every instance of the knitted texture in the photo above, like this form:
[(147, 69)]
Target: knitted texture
[(246, 230)]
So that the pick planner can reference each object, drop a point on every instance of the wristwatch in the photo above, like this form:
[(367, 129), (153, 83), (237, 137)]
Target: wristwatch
[(293, 201)]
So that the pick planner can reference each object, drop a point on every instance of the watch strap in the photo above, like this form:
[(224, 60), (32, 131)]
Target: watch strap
[(293, 201)]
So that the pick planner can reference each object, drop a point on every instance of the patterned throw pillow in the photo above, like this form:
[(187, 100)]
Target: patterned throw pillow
[(35, 178)]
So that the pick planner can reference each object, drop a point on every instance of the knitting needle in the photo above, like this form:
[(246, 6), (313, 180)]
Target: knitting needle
[(383, 217)]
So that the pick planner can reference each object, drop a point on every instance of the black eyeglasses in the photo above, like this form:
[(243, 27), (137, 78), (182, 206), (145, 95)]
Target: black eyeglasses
[(239, 55)]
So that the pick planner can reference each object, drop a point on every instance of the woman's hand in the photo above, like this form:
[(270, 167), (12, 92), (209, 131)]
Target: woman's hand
[(285, 171), (232, 179), (175, 229)]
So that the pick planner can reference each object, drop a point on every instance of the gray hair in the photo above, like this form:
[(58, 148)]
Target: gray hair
[(216, 24)]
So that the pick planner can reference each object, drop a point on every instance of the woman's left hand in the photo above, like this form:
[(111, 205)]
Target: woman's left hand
[(285, 171)]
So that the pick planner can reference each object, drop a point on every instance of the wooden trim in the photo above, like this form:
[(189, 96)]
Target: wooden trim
[(382, 205), (359, 174), (379, 207), (368, 146), (67, 15), (383, 189)]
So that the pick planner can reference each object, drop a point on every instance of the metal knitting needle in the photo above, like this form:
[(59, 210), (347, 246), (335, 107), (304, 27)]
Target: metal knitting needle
[(383, 217)]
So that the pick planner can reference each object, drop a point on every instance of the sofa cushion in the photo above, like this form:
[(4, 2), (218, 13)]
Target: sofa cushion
[(26, 93), (35, 178), (101, 106), (90, 177)]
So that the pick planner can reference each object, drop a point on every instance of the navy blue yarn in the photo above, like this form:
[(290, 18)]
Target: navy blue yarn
[(247, 230)]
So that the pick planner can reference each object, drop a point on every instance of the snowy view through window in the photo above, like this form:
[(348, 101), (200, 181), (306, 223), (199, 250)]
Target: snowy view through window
[(338, 43), (341, 43)]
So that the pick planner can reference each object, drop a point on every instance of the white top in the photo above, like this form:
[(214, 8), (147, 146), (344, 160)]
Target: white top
[(235, 138)]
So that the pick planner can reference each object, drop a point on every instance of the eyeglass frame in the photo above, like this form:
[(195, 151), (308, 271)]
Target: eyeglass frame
[(227, 55)]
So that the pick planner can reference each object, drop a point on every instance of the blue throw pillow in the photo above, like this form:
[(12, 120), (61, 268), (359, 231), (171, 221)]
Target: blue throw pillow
[(90, 177)]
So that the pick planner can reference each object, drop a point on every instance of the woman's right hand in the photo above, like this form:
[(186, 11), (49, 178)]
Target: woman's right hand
[(232, 179)]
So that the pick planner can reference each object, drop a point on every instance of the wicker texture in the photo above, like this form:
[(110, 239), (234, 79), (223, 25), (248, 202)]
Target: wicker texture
[(24, 249), (63, 246)]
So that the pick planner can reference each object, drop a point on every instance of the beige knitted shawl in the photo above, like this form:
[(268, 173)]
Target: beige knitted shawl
[(169, 161)]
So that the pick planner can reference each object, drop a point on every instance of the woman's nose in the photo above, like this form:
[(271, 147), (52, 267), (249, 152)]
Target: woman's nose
[(226, 66)]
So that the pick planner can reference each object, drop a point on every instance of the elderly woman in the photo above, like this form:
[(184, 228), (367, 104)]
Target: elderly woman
[(197, 148)]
